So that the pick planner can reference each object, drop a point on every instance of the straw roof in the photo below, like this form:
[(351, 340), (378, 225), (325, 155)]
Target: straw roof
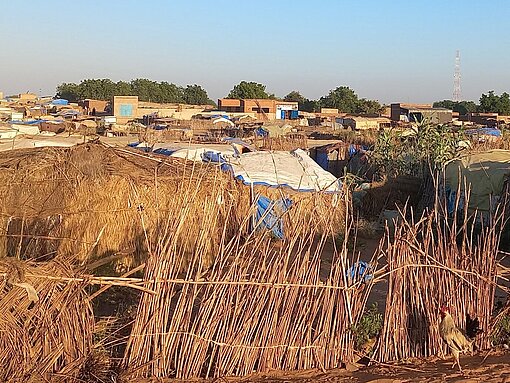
[(91, 201)]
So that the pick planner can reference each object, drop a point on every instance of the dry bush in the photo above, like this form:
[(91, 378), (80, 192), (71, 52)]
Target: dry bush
[(45, 340)]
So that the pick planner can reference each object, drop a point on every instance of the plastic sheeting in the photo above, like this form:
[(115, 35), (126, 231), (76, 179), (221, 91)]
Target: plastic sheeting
[(60, 101), (291, 169), (269, 215), (484, 132), (483, 173)]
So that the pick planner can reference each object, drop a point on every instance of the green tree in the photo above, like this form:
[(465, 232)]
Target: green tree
[(369, 107), (100, 89), (462, 107), (295, 96), (170, 93), (311, 106), (492, 103), (123, 88), (248, 90), (304, 104), (68, 91), (196, 95), (146, 90), (504, 104), (342, 98)]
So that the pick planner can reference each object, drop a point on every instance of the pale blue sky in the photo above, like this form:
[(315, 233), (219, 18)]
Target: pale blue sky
[(398, 50)]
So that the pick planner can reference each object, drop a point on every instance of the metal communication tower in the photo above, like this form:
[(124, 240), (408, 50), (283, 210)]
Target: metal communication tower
[(457, 95)]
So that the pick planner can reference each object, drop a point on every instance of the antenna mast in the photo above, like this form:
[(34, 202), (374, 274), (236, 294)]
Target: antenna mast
[(457, 94)]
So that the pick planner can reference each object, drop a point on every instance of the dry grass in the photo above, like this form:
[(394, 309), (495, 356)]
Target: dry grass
[(96, 202), (93, 202)]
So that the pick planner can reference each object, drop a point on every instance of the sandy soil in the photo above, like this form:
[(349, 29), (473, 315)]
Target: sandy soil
[(496, 368)]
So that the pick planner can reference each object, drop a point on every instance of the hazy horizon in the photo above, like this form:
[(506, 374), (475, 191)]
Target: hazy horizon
[(385, 50)]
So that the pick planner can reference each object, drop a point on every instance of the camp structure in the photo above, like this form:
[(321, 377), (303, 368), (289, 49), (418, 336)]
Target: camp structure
[(482, 175), (339, 156), (295, 170)]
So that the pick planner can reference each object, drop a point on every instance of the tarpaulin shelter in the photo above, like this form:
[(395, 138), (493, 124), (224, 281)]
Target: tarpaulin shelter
[(483, 174), (295, 170)]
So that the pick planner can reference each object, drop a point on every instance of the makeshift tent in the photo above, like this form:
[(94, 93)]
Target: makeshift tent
[(295, 170), (192, 153), (274, 130), (224, 121), (484, 174)]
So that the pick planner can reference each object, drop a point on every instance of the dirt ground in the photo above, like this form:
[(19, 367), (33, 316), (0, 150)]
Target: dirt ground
[(495, 368)]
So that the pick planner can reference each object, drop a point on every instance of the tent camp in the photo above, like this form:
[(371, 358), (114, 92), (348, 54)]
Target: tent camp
[(295, 170), (484, 174)]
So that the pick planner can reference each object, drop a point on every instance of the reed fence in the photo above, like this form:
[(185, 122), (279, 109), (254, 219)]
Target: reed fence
[(438, 260)]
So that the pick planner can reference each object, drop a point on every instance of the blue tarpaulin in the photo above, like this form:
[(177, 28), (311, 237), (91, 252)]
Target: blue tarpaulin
[(261, 132), (165, 151), (59, 101), (210, 156), (360, 270), (269, 215), (484, 132)]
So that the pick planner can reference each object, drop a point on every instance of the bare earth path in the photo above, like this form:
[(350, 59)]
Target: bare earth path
[(495, 369)]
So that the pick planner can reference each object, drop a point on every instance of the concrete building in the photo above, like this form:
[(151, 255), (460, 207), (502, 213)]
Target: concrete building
[(176, 111), (419, 112), (364, 123), (27, 97), (329, 111), (90, 105), (264, 109), (125, 108), (488, 119)]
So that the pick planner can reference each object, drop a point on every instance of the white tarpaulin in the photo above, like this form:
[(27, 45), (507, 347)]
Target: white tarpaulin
[(292, 169), (192, 153)]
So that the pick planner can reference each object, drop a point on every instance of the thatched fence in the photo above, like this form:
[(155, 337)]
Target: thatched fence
[(46, 328), (218, 298), (432, 262), (262, 305)]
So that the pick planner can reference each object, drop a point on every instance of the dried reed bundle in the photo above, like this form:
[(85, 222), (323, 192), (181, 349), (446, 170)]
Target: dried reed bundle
[(261, 305), (47, 339), (290, 142), (433, 262)]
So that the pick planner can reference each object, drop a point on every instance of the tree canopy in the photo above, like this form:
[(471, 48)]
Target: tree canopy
[(346, 100), (462, 107), (195, 95), (492, 103), (304, 103), (145, 89), (250, 89)]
